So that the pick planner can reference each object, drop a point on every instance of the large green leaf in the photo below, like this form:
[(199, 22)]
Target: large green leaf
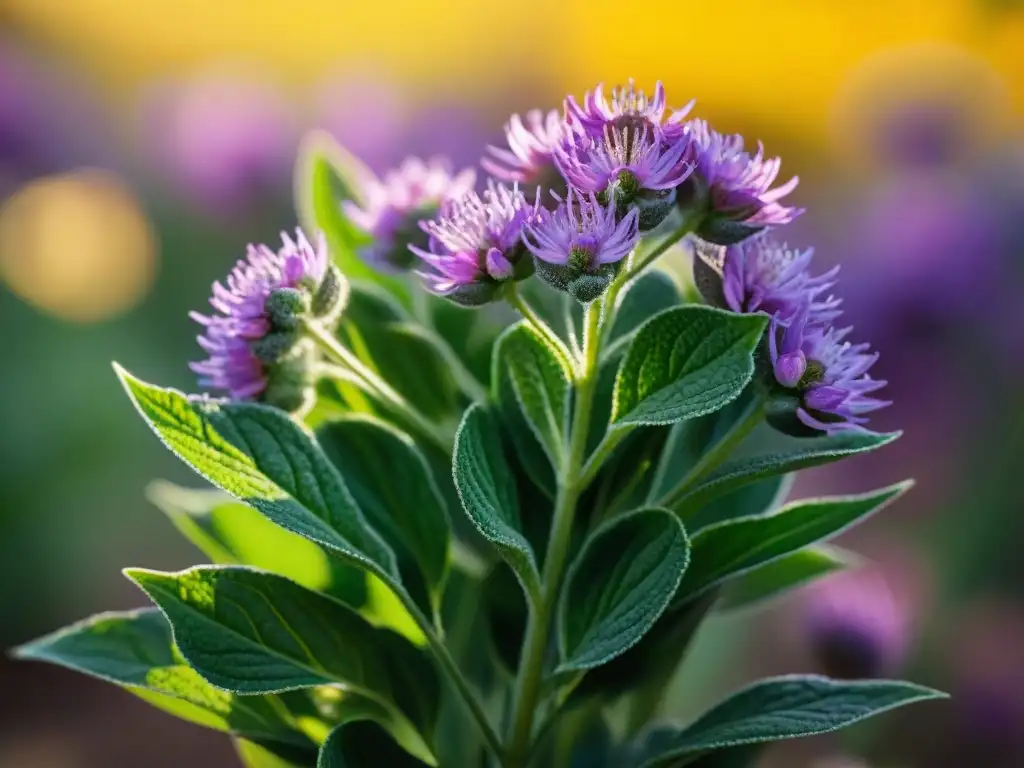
[(618, 586), (362, 744), (734, 547), (250, 632), (487, 490), (134, 649), (785, 708), (784, 455), (528, 451), (780, 576), (541, 379), (393, 486), (686, 362), (651, 293), (260, 456)]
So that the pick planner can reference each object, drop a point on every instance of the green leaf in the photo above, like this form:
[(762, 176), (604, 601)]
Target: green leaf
[(487, 490), (651, 293), (251, 632), (260, 456), (788, 572), (528, 451), (782, 708), (360, 744), (793, 454), (686, 362), (620, 583), (393, 486), (734, 547), (754, 499), (262, 755), (325, 175), (134, 649), (541, 381)]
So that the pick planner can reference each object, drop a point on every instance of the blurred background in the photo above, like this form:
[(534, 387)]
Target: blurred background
[(142, 145)]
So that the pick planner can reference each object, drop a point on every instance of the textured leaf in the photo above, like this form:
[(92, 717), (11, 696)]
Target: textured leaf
[(134, 649), (250, 631), (728, 549), (622, 580), (528, 451), (361, 744), (788, 572), (747, 500), (487, 491), (686, 362), (260, 456), (541, 381), (793, 454), (782, 708), (393, 486)]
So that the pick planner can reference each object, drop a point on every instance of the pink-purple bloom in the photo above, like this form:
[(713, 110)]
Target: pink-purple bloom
[(628, 107), (529, 159), (475, 244), (735, 185), (583, 233), (395, 205), (247, 334)]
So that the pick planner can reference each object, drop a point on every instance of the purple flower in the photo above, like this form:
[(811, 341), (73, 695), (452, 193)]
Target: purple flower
[(763, 275), (257, 321), (531, 144), (827, 373), (628, 107), (735, 185), (856, 625), (396, 204), (476, 244)]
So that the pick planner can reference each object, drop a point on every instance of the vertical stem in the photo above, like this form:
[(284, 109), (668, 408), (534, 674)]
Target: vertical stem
[(538, 628)]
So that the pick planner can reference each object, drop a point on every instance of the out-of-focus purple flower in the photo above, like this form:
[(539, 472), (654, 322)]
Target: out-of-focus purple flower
[(452, 129), (825, 373), (224, 141), (628, 107), (476, 244), (254, 338), (529, 159), (396, 204), (629, 166), (856, 625), (734, 186), (763, 275)]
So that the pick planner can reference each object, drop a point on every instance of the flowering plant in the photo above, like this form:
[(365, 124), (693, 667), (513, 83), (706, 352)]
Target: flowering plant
[(440, 538)]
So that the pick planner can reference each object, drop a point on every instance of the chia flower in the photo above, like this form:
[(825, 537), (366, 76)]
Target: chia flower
[(578, 247), (529, 158), (396, 204), (733, 186), (628, 107), (254, 340), (627, 165), (476, 244), (762, 275), (823, 377), (856, 626)]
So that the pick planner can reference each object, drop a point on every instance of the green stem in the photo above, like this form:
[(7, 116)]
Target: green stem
[(515, 298), (374, 385), (531, 669), (718, 453), (601, 454)]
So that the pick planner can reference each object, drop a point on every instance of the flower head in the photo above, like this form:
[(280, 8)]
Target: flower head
[(476, 244), (255, 334), (396, 204), (827, 374), (531, 144), (628, 107), (735, 185)]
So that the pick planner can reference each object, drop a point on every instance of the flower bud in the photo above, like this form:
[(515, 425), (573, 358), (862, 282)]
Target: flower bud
[(790, 368), (275, 345), (583, 285), (725, 231), (286, 308), (291, 380), (331, 297), (654, 207)]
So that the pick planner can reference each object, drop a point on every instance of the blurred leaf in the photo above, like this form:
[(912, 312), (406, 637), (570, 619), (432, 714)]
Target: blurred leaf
[(261, 755), (393, 486), (729, 549), (618, 586), (360, 744), (487, 491), (783, 708), (754, 499), (780, 576), (249, 632), (541, 382), (643, 298), (684, 363), (262, 457), (134, 649)]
